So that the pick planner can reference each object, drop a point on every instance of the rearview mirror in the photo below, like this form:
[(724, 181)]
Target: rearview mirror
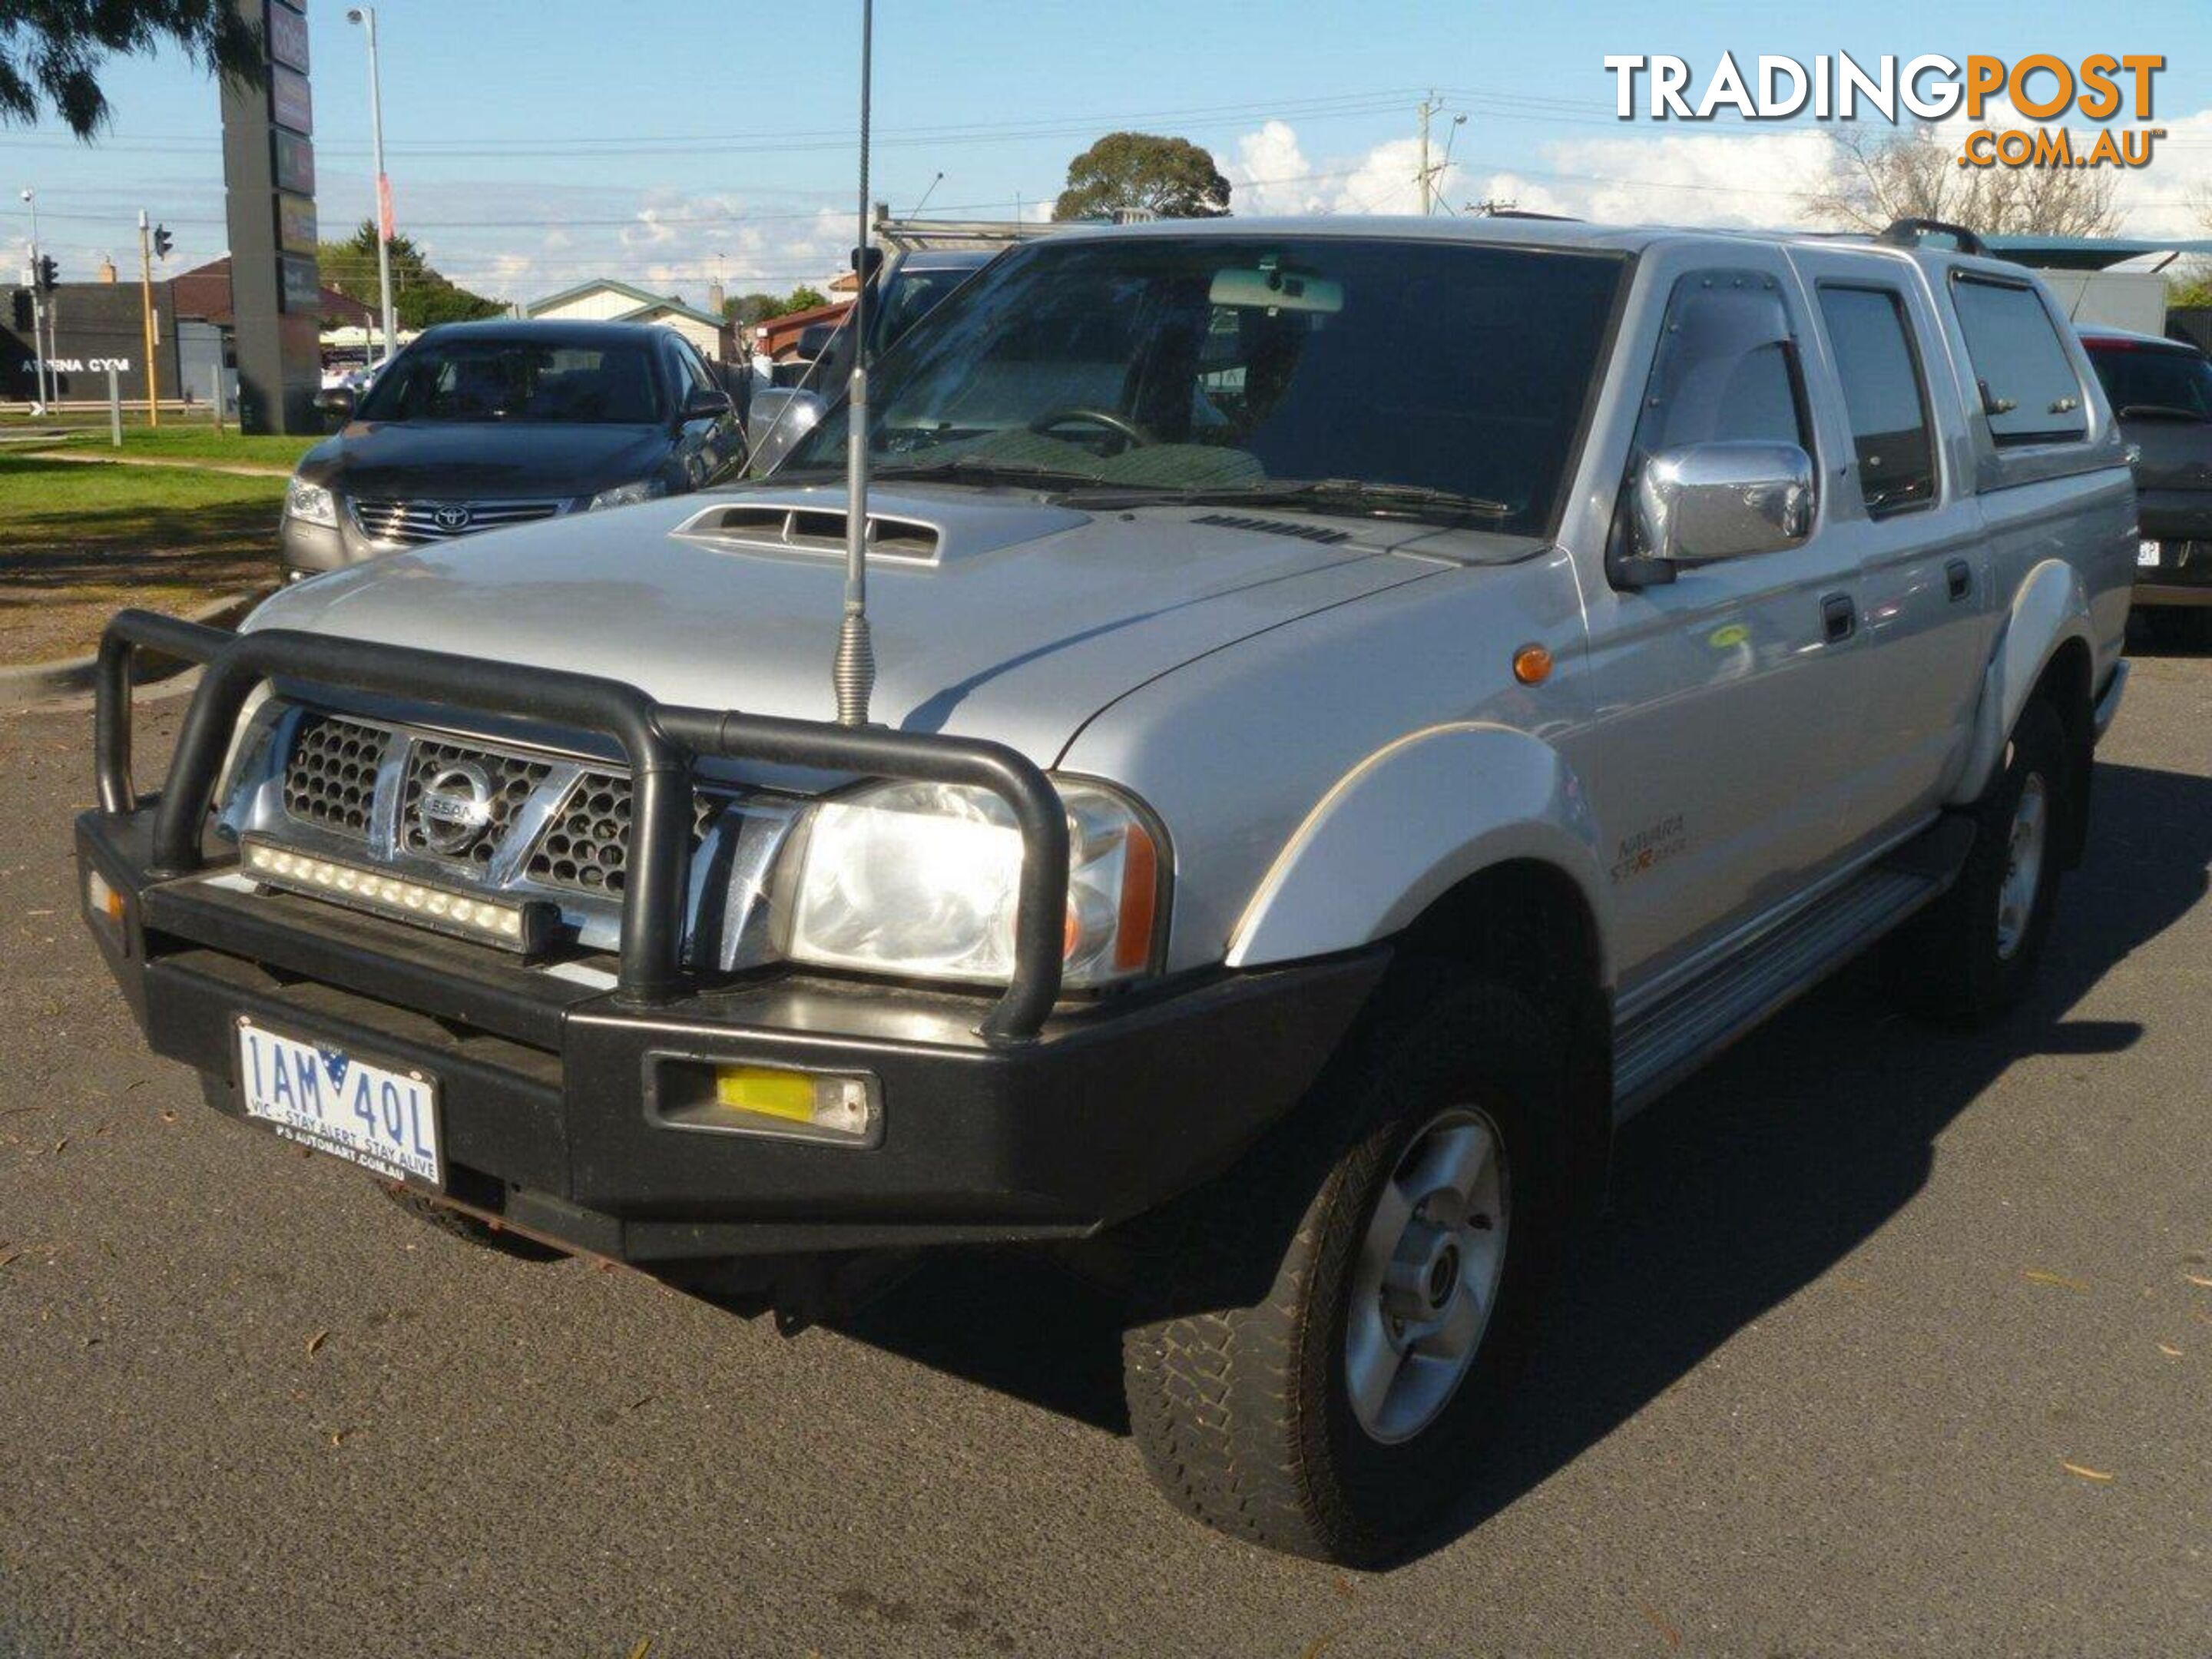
[(1273, 289), (705, 403), (336, 400), (1723, 501)]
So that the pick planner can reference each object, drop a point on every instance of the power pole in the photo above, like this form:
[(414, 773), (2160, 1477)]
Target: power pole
[(365, 16), (36, 276), (146, 304), (1429, 172), (1429, 106)]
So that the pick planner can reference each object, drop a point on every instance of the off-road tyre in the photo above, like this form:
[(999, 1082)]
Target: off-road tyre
[(460, 1224), (1947, 964), (1240, 1406)]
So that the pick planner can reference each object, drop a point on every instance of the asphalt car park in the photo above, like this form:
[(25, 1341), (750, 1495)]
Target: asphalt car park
[(1889, 1341)]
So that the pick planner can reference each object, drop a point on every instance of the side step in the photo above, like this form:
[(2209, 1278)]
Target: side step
[(1655, 1048)]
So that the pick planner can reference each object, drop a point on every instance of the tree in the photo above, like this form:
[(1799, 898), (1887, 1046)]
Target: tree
[(748, 310), (51, 50), (419, 295), (1172, 177), (1914, 174)]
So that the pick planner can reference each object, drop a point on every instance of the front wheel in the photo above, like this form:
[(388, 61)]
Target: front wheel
[(1413, 1216)]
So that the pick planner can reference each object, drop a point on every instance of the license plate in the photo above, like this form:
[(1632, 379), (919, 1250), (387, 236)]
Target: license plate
[(2147, 553), (321, 1096)]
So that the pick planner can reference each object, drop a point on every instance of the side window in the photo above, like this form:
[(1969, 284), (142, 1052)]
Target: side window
[(690, 376), (1885, 393), (1726, 369), (2027, 380)]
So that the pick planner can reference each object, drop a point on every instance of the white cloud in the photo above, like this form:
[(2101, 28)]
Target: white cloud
[(1754, 176), (1705, 179), (1270, 174)]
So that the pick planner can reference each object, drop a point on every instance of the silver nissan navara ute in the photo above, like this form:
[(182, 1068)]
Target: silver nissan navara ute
[(1363, 708)]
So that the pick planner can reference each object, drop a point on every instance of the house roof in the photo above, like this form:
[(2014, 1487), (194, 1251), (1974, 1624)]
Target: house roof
[(645, 301), (203, 292)]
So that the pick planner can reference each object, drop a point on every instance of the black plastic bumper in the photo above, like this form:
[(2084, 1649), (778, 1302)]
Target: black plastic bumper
[(1110, 1111)]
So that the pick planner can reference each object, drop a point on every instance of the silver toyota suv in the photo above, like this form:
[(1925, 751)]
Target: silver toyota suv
[(1363, 708)]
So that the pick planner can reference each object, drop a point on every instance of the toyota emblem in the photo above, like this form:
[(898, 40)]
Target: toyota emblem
[(452, 518), (454, 808)]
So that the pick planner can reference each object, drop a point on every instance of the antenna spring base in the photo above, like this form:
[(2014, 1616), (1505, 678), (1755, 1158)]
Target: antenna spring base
[(854, 674)]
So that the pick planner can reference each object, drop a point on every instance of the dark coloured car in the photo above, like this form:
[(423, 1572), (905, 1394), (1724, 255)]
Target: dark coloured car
[(912, 286), (478, 426), (2161, 390)]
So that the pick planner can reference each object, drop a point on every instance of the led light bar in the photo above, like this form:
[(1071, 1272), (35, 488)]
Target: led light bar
[(511, 927)]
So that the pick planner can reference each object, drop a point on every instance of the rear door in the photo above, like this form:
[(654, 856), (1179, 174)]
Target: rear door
[(1900, 513)]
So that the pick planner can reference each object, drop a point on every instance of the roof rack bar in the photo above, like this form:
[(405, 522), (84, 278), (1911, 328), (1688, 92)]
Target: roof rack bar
[(1910, 233)]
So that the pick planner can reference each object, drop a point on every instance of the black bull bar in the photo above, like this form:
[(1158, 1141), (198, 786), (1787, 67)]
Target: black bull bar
[(660, 741)]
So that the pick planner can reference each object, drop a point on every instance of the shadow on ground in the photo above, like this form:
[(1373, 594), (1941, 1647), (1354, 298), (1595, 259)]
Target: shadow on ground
[(1746, 1183)]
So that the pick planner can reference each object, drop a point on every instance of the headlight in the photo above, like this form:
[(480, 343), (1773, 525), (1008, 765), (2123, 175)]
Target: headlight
[(920, 879), (629, 495), (310, 503)]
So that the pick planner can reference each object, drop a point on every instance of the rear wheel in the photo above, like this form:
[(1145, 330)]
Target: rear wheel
[(1972, 954), (1402, 1231)]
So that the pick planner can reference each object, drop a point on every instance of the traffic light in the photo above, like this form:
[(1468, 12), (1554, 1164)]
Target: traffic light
[(23, 313), (163, 241), (49, 277)]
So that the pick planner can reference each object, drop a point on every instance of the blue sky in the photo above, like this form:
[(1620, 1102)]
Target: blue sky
[(533, 142)]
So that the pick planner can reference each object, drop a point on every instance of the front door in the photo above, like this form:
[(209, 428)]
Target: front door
[(1727, 698)]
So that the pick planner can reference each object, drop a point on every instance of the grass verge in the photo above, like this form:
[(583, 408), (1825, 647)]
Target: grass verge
[(168, 442), (79, 543)]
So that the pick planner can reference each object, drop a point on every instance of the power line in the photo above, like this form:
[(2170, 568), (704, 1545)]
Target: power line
[(758, 140)]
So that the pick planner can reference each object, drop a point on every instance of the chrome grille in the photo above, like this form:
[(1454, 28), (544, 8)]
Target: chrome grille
[(543, 824), (329, 777), (586, 842), (513, 778), (410, 524)]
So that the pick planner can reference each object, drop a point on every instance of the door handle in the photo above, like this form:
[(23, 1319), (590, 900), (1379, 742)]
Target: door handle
[(1959, 578), (1840, 617)]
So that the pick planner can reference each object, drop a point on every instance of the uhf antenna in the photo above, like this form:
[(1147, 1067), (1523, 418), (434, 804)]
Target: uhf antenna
[(854, 674)]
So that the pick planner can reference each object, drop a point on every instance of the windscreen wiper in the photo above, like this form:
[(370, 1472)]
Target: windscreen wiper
[(1344, 495), (971, 469)]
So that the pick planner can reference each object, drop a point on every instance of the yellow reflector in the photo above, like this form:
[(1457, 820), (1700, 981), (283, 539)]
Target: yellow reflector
[(771, 1093), (103, 900)]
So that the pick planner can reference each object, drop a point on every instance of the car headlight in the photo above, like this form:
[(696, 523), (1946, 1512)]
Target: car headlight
[(310, 503), (921, 879), (629, 495)]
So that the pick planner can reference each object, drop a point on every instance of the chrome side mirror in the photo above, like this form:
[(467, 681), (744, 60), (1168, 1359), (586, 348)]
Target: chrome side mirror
[(781, 418), (1723, 501)]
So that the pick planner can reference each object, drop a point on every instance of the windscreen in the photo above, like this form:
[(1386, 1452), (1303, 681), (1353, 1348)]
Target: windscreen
[(1162, 364), (495, 379), (2147, 379)]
